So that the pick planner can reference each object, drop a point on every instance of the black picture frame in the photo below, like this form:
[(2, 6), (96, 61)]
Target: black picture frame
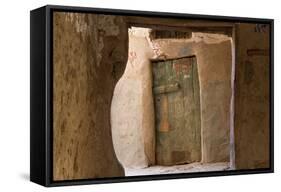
[(41, 80)]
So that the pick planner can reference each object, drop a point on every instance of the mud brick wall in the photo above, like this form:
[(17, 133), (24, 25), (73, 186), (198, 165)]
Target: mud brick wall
[(251, 123), (90, 54)]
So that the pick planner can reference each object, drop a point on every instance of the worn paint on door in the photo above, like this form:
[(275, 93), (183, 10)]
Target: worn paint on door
[(177, 111)]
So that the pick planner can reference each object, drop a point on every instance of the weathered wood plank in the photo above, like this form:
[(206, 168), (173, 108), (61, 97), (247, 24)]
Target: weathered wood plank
[(166, 88), (177, 106)]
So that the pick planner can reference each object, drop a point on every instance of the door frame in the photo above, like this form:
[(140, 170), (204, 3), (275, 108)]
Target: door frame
[(231, 28)]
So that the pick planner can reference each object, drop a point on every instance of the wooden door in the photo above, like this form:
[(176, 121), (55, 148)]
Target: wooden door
[(177, 111)]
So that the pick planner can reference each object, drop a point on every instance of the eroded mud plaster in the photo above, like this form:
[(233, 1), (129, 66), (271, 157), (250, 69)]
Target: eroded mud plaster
[(88, 49), (252, 93)]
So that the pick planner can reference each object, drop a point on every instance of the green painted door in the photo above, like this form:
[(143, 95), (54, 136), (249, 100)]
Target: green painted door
[(177, 111)]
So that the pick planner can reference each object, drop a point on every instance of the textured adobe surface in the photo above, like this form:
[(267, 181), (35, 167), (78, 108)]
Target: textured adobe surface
[(90, 53), (251, 123)]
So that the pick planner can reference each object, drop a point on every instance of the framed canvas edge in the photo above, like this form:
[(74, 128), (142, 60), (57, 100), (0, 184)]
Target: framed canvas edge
[(49, 182)]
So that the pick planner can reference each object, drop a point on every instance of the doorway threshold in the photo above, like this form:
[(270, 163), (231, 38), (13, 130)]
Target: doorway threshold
[(184, 168)]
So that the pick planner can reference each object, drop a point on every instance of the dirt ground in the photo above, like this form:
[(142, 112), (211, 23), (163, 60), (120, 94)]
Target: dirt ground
[(185, 168)]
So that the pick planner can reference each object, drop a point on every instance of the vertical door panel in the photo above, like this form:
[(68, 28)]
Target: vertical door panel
[(177, 111)]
